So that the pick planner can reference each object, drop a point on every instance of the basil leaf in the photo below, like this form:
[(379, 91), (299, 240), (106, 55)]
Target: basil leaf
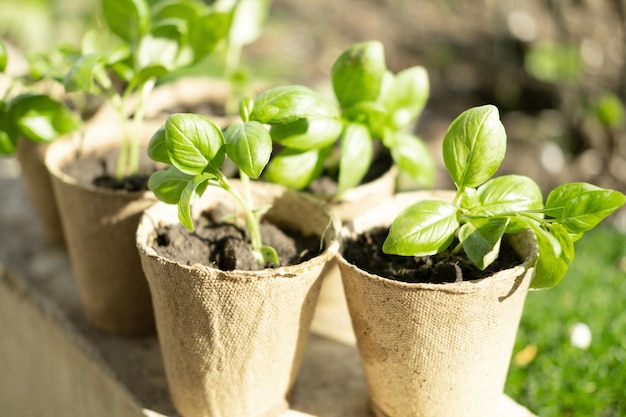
[(424, 228), (553, 261), (168, 185), (8, 133), (408, 96), (474, 146), (412, 156), (579, 206), (358, 73), (249, 146), (206, 31), (481, 239), (356, 156), (287, 104), (309, 133), (194, 143), (157, 148), (192, 191), (41, 118), (508, 194), (128, 19), (80, 77), (295, 169)]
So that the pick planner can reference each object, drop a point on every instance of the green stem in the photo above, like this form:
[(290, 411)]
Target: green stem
[(246, 204), (135, 142)]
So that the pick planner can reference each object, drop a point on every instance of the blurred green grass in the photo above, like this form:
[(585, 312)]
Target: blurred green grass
[(548, 374)]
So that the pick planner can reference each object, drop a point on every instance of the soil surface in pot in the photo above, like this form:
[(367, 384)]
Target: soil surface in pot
[(224, 245), (98, 169), (365, 251)]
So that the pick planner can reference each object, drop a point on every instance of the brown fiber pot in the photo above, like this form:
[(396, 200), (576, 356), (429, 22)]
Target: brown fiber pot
[(332, 318), (31, 156), (232, 341), (99, 226), (435, 350)]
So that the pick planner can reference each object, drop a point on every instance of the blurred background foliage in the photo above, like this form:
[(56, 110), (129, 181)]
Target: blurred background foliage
[(557, 71)]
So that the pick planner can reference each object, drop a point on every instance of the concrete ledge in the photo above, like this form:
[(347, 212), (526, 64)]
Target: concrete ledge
[(53, 363)]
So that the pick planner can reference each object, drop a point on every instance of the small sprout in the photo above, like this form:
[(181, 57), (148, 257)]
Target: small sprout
[(485, 208), (196, 148), (371, 103)]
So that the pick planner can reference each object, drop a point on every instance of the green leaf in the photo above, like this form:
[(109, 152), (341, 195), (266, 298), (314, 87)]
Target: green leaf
[(408, 96), (206, 31), (287, 104), (159, 51), (41, 118), (474, 146), (249, 146), (192, 191), (168, 185), (579, 206), (309, 133), (413, 157), (481, 239), (8, 133), (194, 143), (4, 57), (358, 73), (508, 194), (267, 255), (80, 77), (371, 114), (157, 148), (295, 169), (178, 9), (356, 156), (128, 19), (553, 261), (247, 20), (422, 229)]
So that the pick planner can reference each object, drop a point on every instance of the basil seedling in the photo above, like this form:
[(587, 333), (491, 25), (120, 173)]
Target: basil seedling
[(196, 148), (486, 208), (371, 103), (145, 42), (34, 116)]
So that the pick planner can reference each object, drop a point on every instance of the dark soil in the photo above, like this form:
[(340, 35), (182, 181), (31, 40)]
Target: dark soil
[(99, 170), (365, 252), (226, 246)]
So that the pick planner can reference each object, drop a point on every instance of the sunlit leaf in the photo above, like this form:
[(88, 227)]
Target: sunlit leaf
[(194, 143), (474, 146), (481, 239), (425, 228), (249, 146), (356, 156)]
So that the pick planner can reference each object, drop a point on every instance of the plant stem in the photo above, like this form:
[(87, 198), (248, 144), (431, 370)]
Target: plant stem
[(135, 143), (246, 203)]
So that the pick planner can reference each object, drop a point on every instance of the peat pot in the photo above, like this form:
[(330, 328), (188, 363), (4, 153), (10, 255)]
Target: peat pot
[(232, 341), (435, 350)]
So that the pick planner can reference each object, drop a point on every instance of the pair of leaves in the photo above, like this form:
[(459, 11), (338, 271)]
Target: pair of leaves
[(196, 148)]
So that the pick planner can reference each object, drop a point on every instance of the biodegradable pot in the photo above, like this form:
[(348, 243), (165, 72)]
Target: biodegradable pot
[(332, 318), (232, 341), (99, 226), (435, 350), (31, 156)]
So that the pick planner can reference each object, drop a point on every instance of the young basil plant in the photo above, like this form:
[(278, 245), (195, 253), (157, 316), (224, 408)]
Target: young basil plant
[(486, 208), (371, 103), (37, 117), (195, 149), (146, 41)]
